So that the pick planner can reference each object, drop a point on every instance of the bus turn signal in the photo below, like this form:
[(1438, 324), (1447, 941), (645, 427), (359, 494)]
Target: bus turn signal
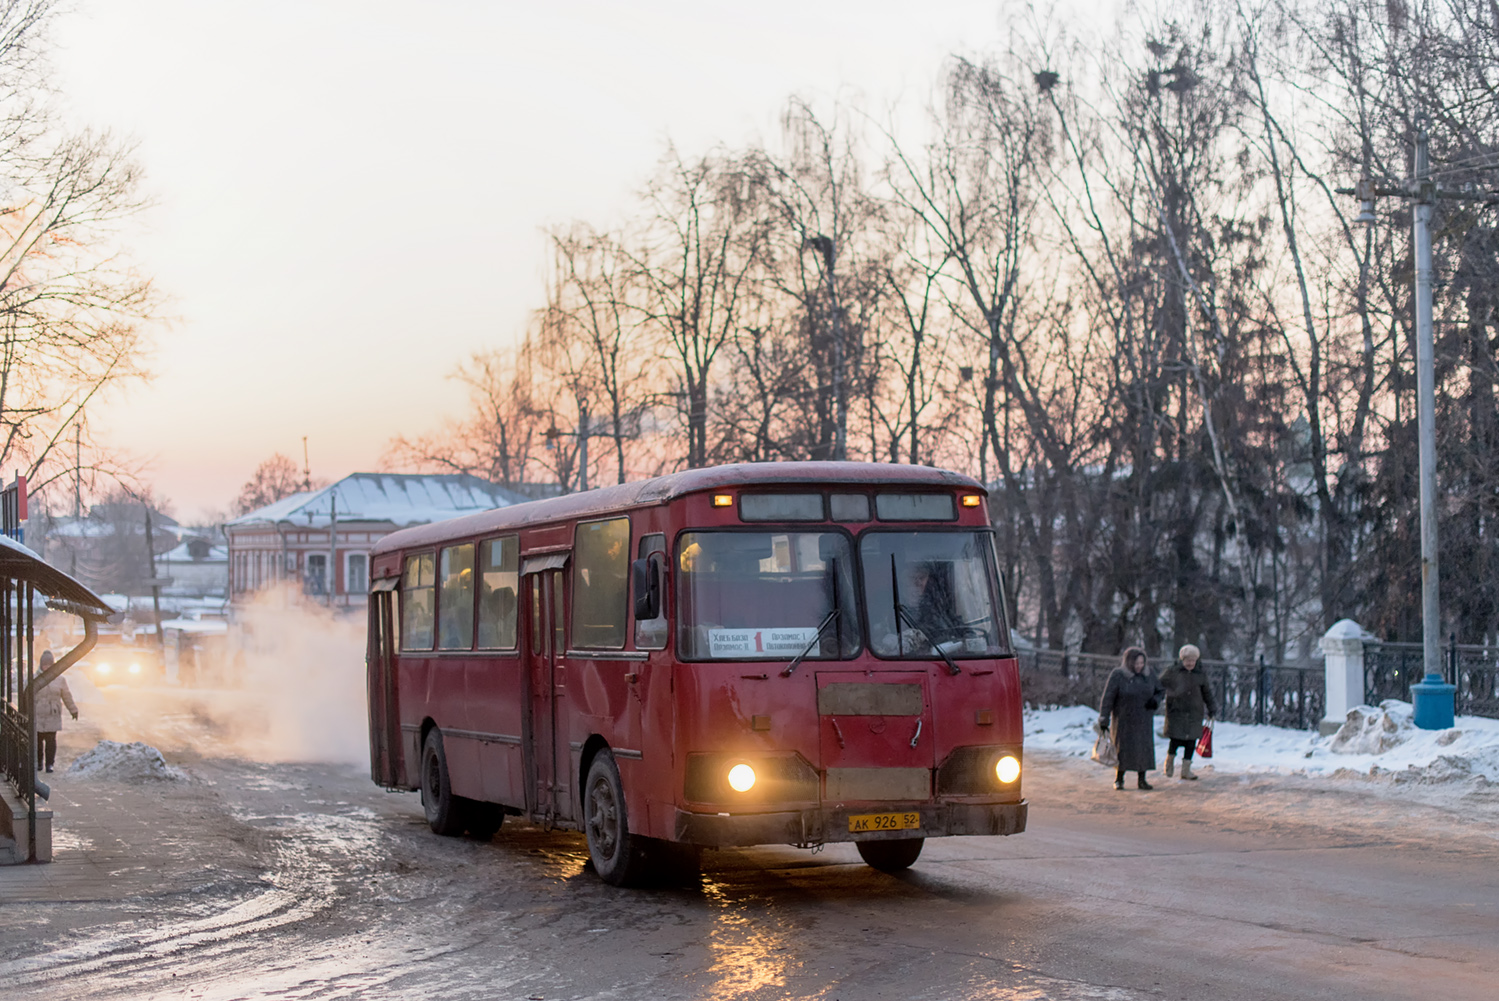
[(723, 500)]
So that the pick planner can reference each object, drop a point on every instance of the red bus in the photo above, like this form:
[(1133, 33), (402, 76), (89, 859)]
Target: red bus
[(773, 653)]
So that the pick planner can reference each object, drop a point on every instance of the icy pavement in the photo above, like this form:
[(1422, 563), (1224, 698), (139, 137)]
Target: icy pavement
[(1374, 741)]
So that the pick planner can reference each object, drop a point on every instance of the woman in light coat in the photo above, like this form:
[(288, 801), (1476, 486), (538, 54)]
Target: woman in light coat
[(1188, 696), (48, 710), (1130, 699)]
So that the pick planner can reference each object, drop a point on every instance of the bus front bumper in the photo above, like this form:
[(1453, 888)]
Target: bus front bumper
[(821, 825)]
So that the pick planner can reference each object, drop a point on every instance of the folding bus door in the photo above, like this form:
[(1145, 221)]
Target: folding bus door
[(548, 788)]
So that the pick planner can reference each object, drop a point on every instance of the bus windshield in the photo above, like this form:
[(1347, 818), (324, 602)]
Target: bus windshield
[(930, 593), (764, 595)]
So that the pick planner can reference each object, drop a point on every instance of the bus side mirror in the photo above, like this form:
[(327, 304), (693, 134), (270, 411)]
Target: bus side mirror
[(645, 582)]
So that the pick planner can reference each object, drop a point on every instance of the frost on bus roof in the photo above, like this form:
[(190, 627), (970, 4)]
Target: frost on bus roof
[(399, 499)]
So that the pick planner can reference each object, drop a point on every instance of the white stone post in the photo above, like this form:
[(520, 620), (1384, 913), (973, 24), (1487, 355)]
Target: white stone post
[(1343, 646)]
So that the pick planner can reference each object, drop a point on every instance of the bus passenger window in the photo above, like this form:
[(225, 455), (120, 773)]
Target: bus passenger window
[(650, 634), (455, 599), (559, 642), (536, 613), (416, 602), (499, 590), (601, 584)]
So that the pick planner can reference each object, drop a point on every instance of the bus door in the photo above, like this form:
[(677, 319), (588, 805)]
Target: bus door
[(386, 764), (547, 757)]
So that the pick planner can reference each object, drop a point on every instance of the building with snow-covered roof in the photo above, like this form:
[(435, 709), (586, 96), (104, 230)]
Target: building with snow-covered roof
[(298, 538)]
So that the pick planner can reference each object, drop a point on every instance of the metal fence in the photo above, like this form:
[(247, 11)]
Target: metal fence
[(1278, 694), (1391, 668)]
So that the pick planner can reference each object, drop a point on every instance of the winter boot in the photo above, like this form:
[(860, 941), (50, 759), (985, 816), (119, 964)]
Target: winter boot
[(1170, 766), (1187, 772), (1141, 783)]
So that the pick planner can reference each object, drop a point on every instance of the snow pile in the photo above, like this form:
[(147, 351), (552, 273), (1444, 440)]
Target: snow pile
[(1373, 731), (1378, 742), (133, 762)]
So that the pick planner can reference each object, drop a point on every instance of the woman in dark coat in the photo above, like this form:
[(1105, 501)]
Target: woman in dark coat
[(1188, 696), (1130, 700)]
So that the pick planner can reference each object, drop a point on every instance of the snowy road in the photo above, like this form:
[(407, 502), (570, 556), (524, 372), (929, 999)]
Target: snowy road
[(305, 881)]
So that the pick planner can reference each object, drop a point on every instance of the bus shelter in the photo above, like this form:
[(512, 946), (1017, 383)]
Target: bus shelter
[(25, 581)]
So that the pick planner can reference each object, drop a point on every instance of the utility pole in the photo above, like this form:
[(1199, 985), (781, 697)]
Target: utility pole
[(1433, 697), (161, 642)]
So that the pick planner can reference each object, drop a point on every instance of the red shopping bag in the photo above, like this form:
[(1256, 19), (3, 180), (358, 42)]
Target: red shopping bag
[(1205, 742)]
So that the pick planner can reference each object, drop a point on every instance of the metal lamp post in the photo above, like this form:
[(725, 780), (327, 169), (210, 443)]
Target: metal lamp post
[(1434, 700)]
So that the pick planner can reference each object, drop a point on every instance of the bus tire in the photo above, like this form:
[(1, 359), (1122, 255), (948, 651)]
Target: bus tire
[(619, 857), (444, 810), (484, 819), (890, 856)]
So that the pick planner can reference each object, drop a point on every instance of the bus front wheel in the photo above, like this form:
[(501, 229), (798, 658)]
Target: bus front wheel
[(619, 857), (444, 810), (891, 856)]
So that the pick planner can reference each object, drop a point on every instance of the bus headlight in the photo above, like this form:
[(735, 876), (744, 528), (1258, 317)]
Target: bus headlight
[(741, 778), (105, 668), (1008, 769), (135, 669)]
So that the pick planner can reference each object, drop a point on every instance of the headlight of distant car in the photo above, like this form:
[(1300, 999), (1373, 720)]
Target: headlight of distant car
[(104, 668), (135, 669)]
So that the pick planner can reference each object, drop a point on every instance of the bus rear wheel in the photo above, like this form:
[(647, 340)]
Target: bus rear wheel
[(891, 856), (444, 810), (619, 857)]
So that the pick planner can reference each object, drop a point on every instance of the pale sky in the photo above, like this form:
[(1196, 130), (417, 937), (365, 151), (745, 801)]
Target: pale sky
[(350, 196)]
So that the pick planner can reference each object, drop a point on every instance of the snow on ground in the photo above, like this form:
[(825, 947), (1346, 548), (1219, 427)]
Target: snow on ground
[(133, 762), (1378, 742)]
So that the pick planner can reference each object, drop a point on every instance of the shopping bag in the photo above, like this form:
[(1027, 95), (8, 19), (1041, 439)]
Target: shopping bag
[(1205, 742), (1104, 751)]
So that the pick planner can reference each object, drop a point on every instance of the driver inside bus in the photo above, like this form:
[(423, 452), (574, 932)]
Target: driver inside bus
[(935, 612)]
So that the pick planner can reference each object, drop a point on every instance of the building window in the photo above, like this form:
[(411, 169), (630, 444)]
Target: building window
[(499, 591), (416, 602), (455, 599), (356, 573), (316, 580), (601, 584)]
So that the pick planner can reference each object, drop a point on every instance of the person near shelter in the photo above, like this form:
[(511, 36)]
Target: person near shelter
[(48, 710), (1188, 697), (1130, 699)]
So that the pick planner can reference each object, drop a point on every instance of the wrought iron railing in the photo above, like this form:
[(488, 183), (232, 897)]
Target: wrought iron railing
[(1279, 694), (1391, 668), (16, 753)]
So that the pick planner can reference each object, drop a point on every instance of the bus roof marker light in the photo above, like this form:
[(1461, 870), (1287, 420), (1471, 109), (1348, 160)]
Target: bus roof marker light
[(972, 500), (723, 500), (741, 778)]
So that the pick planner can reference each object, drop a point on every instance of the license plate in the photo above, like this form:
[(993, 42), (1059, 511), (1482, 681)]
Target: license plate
[(884, 822)]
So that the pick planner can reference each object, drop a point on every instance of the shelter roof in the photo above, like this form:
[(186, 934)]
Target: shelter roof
[(19, 563), (661, 489)]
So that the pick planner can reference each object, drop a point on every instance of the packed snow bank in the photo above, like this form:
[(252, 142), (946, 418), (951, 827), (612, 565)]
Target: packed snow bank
[(134, 762), (1379, 742)]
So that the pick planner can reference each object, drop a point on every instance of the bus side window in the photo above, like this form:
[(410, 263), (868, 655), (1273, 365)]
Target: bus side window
[(601, 584), (536, 613), (650, 634), (455, 599), (499, 592), (416, 602)]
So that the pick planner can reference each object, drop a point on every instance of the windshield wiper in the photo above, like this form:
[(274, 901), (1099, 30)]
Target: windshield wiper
[(831, 616), (902, 613)]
